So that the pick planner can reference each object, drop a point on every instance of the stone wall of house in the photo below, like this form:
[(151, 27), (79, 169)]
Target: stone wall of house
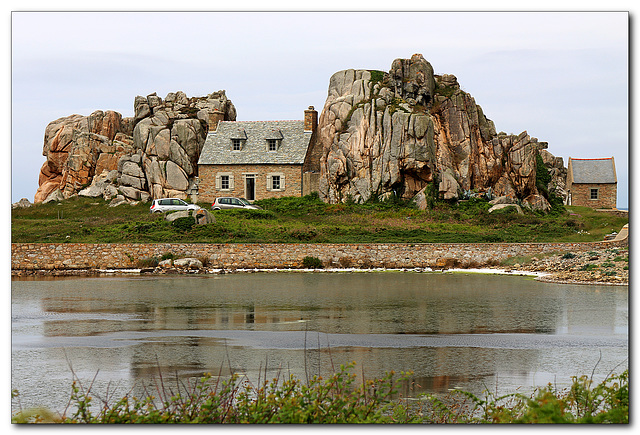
[(207, 191), (581, 195), (70, 256)]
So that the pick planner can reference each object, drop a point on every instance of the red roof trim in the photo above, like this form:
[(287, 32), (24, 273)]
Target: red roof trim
[(272, 120), (603, 158)]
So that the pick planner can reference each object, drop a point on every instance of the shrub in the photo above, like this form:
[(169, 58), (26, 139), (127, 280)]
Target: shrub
[(509, 211), (294, 205), (568, 256), (572, 223), (312, 263), (144, 263), (183, 223), (339, 399), (205, 260), (607, 402), (303, 234), (543, 178), (250, 214), (446, 91), (392, 202), (376, 76), (345, 262), (335, 400)]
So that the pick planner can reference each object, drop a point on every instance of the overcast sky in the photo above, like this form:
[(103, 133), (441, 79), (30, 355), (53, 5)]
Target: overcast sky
[(561, 76)]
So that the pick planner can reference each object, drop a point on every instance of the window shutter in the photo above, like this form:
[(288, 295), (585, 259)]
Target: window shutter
[(281, 181), (231, 185), (269, 183), (218, 183)]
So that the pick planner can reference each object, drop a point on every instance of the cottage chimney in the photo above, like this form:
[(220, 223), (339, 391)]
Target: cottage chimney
[(310, 119), (214, 119)]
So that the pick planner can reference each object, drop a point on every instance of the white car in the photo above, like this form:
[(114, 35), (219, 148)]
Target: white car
[(171, 204), (228, 202)]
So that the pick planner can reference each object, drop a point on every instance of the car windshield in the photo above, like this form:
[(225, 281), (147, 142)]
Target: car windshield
[(244, 201)]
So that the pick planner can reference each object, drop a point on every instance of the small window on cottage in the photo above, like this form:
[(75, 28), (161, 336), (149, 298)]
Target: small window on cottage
[(272, 144), (224, 182), (236, 144), (275, 182), (594, 193)]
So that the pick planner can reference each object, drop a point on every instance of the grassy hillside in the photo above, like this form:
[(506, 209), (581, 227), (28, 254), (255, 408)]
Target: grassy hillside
[(308, 220)]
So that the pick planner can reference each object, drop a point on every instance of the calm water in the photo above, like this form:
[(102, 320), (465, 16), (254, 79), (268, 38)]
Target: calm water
[(464, 331)]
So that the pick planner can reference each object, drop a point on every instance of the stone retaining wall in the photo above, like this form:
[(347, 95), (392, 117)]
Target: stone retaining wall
[(73, 256)]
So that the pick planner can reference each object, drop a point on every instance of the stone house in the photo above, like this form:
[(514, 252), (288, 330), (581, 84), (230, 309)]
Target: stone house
[(592, 182), (259, 159)]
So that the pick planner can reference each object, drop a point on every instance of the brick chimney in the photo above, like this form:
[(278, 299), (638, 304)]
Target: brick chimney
[(214, 119), (310, 119)]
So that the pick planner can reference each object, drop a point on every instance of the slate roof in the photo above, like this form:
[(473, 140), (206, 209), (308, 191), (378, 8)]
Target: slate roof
[(292, 149), (597, 171)]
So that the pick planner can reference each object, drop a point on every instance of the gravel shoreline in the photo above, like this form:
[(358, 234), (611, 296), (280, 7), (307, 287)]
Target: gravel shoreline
[(601, 266)]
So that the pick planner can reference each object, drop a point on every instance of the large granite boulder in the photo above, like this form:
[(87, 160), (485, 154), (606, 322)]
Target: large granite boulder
[(155, 152), (396, 132)]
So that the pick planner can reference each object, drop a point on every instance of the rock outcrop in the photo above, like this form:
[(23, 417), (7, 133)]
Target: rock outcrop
[(154, 153), (407, 133), (407, 130), (23, 203)]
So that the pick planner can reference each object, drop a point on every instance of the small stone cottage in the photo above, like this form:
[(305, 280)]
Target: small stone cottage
[(592, 182), (259, 159)]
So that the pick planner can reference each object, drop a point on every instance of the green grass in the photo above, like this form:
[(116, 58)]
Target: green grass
[(308, 220)]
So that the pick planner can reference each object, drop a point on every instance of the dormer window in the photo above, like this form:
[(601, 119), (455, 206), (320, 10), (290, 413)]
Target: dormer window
[(274, 139), (238, 140)]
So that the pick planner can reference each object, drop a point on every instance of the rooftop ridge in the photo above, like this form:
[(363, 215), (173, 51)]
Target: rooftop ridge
[(599, 158)]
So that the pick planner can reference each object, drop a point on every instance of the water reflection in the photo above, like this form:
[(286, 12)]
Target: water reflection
[(466, 331), (355, 303)]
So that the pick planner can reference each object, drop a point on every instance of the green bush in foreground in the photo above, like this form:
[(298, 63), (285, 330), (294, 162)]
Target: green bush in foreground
[(338, 399), (582, 403)]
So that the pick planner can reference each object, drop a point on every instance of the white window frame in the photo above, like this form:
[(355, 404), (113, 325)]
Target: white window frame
[(275, 182), (239, 143), (220, 177), (275, 143), (270, 180)]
